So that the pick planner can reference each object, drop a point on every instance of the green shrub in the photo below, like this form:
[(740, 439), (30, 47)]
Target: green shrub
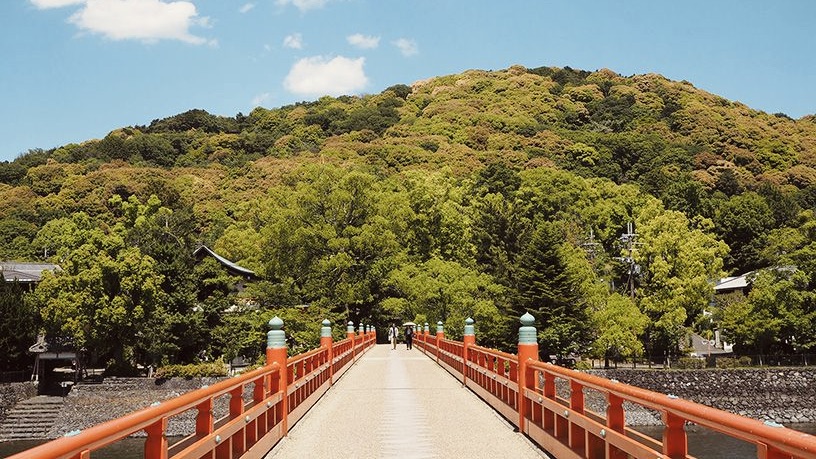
[(583, 365), (690, 363), (726, 362), (731, 362), (193, 370)]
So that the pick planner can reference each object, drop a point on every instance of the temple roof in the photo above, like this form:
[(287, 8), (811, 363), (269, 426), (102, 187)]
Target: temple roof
[(233, 268)]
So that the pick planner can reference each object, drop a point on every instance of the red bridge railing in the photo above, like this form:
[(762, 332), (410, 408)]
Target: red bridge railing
[(282, 392), (523, 390)]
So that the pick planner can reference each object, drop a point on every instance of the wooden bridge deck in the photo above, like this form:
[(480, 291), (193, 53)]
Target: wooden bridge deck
[(401, 404)]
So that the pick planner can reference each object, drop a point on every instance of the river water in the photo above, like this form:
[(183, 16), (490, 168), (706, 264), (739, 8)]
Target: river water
[(705, 444), (702, 444)]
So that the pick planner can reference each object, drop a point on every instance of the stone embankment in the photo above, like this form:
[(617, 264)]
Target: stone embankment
[(12, 393), (90, 404), (783, 395)]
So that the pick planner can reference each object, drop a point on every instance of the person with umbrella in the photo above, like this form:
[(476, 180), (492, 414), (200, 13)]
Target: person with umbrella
[(409, 335)]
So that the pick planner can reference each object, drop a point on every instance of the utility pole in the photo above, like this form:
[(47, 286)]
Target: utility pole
[(629, 239)]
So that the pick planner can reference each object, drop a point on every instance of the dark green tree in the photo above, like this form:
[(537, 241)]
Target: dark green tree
[(545, 289), (19, 324)]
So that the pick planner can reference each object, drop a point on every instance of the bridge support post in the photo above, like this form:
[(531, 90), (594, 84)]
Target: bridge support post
[(527, 350), (440, 335), (468, 339), (350, 335), (276, 353), (327, 343)]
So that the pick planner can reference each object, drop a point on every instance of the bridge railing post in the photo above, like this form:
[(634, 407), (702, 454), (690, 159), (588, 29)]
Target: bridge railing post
[(276, 353), (440, 335), (426, 337), (156, 444), (675, 442), (615, 420), (527, 350), (327, 343), (468, 339), (350, 336)]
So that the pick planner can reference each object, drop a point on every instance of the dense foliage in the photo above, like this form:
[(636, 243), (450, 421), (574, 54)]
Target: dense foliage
[(482, 194)]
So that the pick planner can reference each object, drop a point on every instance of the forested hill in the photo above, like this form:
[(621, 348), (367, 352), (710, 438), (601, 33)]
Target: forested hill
[(484, 193)]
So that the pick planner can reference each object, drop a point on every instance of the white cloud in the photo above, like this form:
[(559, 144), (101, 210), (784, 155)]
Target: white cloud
[(319, 76), (261, 99), (407, 47), (147, 20), (247, 7), (304, 5), (362, 41), (294, 41), (46, 4)]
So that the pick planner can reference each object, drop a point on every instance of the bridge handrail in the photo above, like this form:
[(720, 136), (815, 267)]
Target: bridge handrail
[(523, 390), (478, 354), (106, 433), (249, 427), (733, 425)]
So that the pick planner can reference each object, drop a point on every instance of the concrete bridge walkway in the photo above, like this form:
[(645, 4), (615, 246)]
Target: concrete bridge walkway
[(400, 404)]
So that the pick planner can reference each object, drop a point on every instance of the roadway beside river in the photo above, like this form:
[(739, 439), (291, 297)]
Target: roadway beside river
[(399, 403)]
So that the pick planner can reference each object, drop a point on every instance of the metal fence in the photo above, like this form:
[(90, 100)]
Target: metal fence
[(712, 361)]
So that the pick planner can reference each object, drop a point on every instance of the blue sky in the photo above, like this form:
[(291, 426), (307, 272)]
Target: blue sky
[(74, 70)]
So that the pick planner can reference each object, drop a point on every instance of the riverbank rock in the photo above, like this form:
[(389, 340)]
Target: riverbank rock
[(90, 404)]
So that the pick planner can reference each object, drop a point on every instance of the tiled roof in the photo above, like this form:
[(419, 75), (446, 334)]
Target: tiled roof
[(228, 264), (734, 282), (25, 272)]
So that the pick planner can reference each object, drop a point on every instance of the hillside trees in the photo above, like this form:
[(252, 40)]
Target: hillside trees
[(357, 206), (741, 222)]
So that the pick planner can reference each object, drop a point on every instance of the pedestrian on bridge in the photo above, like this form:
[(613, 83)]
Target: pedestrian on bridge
[(393, 333), (409, 337)]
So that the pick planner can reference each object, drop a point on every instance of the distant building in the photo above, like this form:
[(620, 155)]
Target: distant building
[(247, 275), (741, 284), (27, 274), (701, 347)]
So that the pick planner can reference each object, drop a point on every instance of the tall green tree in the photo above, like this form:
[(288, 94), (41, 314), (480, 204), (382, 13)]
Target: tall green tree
[(327, 237), (618, 327), (442, 290), (547, 288), (678, 259), (19, 324), (776, 317)]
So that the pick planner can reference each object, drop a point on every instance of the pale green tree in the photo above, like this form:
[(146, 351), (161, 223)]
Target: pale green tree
[(439, 290), (618, 324), (679, 259)]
